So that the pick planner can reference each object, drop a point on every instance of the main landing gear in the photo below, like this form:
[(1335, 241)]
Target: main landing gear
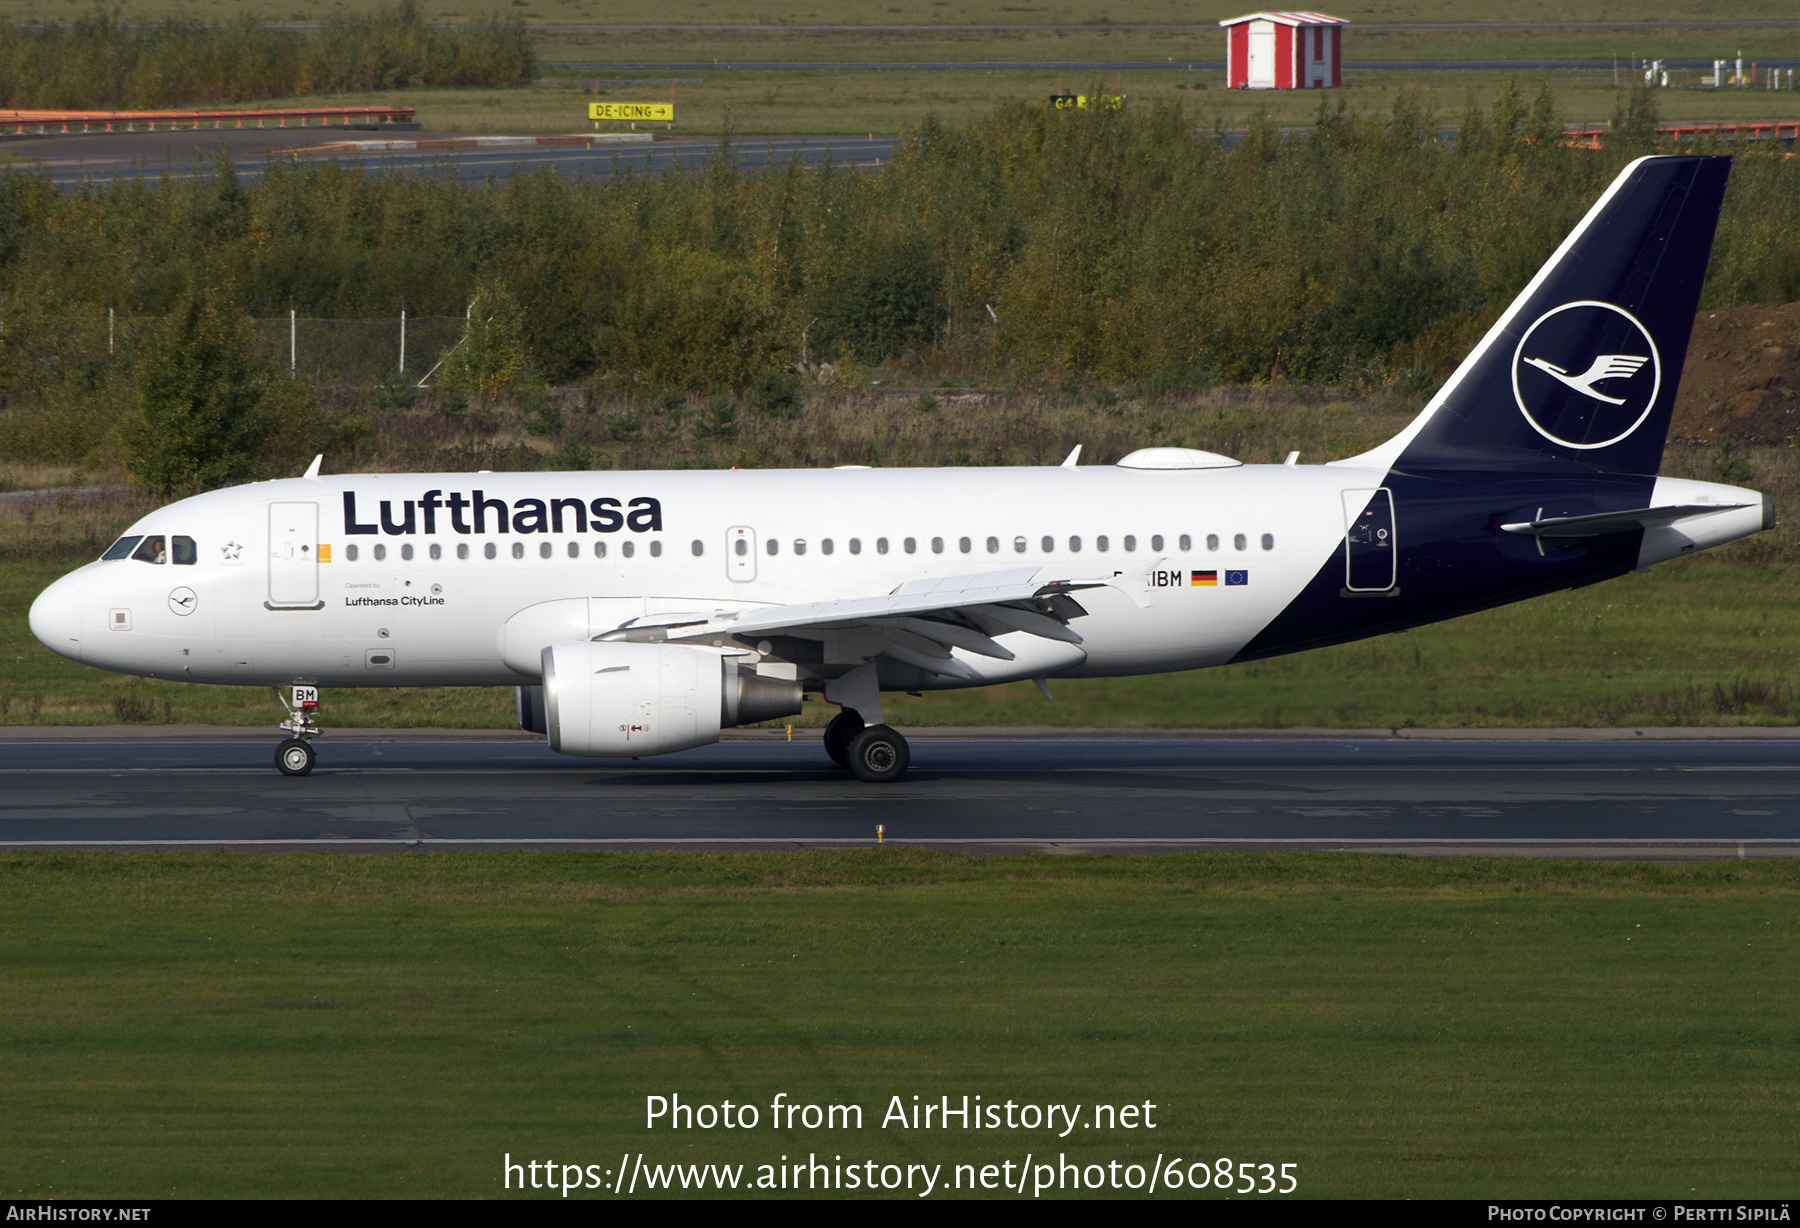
[(295, 755), (874, 753)]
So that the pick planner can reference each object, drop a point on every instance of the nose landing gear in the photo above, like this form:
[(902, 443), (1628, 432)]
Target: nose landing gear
[(295, 755)]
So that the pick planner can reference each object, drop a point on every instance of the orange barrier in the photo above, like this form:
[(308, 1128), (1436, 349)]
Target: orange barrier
[(47, 122), (1749, 130)]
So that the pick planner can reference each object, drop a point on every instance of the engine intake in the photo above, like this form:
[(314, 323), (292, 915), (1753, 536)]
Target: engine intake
[(624, 700)]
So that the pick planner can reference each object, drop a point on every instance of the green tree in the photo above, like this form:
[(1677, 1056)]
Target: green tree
[(1634, 122), (1509, 115), (209, 411), (492, 355), (1546, 124)]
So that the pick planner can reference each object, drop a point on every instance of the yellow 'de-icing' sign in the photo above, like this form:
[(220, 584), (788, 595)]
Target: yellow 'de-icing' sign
[(632, 110)]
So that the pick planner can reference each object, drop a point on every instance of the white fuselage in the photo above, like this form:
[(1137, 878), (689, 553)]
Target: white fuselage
[(397, 621)]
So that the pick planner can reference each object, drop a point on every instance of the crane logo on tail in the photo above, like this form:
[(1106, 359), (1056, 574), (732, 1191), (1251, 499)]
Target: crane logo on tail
[(1586, 374), (1607, 366)]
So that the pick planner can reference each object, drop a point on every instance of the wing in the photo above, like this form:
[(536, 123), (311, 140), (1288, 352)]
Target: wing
[(918, 623)]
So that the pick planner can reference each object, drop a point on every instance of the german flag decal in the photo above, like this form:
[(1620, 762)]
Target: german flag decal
[(1206, 579)]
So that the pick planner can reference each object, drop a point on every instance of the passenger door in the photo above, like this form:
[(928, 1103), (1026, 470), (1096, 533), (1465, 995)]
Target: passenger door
[(294, 555)]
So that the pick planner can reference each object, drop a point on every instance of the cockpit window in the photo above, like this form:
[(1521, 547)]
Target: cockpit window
[(152, 550), (186, 553), (122, 548)]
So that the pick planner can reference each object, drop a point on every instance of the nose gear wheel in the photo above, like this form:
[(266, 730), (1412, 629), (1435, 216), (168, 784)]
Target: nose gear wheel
[(295, 757)]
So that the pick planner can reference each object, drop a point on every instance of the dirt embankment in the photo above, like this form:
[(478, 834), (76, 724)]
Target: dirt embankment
[(1742, 379)]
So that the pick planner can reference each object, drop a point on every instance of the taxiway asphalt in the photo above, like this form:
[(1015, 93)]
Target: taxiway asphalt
[(1640, 798), (101, 158)]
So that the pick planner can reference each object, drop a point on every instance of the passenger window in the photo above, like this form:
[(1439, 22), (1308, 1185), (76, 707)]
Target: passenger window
[(964, 544), (350, 553), (1212, 541), (774, 547), (599, 550), (1187, 543), (741, 547), (518, 550), (656, 549), (574, 550), (1240, 541), (856, 545), (122, 548), (993, 545), (544, 550), (937, 545), (1018, 545), (911, 545), (799, 545), (881, 545), (1130, 543), (186, 553), (153, 550), (437, 552), (490, 551), (825, 546), (627, 548), (1074, 545), (1268, 541), (1156, 541), (1049, 544), (462, 550), (699, 547), (380, 552), (1100, 543), (406, 552)]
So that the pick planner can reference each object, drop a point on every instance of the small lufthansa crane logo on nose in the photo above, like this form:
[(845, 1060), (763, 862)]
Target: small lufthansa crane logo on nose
[(182, 601), (1586, 374)]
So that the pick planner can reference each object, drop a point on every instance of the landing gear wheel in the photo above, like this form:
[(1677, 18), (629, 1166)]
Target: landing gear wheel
[(844, 726), (878, 755), (295, 757)]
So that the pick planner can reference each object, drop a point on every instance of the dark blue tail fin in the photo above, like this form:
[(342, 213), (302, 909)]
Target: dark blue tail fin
[(1580, 372)]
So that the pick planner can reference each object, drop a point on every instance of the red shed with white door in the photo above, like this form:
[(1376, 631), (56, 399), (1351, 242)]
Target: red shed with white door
[(1284, 51)]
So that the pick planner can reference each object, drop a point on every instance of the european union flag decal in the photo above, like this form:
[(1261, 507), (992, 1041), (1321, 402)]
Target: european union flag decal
[(1237, 577)]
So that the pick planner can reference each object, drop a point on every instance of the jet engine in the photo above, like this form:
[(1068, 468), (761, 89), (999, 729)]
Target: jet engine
[(622, 700)]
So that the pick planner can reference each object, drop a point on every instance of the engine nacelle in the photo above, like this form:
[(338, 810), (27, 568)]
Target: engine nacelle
[(623, 700)]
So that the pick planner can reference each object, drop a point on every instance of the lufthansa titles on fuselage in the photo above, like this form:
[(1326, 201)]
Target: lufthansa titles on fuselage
[(476, 513)]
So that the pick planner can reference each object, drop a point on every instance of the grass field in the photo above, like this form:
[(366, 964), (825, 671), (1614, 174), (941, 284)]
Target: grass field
[(321, 1025), (909, 12), (857, 103), (776, 43)]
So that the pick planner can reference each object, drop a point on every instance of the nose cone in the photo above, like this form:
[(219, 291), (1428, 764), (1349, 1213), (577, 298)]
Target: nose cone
[(56, 618)]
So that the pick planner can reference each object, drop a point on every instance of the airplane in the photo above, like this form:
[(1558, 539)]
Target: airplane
[(640, 613)]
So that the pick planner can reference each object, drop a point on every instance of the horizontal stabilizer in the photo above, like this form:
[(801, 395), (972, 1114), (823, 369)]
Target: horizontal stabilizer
[(1602, 523)]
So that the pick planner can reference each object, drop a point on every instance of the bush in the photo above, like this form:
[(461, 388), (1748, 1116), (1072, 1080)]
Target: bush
[(1729, 465), (492, 356), (209, 412), (775, 394)]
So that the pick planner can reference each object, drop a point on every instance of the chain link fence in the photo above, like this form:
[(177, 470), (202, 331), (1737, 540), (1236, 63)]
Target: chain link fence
[(338, 353)]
